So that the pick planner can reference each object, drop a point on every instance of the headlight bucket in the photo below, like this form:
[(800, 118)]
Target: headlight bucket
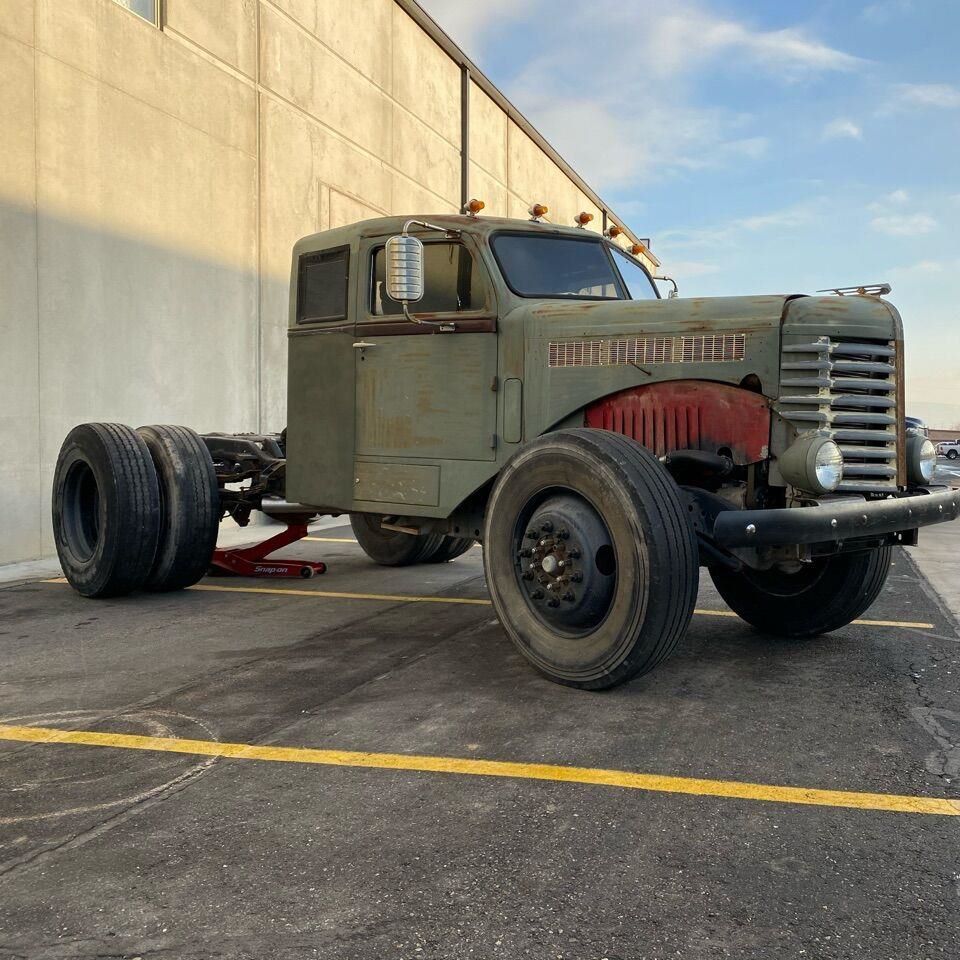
[(921, 459), (813, 464)]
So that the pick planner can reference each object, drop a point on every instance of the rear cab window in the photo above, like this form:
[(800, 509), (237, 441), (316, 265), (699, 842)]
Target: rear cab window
[(322, 282)]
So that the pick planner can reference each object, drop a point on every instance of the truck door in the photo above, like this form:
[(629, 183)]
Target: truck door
[(425, 393)]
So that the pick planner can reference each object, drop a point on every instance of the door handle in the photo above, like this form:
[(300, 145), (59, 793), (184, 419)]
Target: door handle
[(362, 345)]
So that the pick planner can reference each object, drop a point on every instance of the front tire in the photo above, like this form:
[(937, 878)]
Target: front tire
[(952, 454), (106, 509), (590, 557), (825, 595)]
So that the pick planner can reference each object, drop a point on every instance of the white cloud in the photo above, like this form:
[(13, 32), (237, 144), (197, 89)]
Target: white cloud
[(785, 219), (905, 225), (677, 40), (842, 128), (898, 198), (680, 269), (467, 23), (940, 95), (632, 115)]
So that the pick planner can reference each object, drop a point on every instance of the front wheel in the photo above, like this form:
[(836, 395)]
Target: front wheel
[(952, 454), (590, 557), (824, 595)]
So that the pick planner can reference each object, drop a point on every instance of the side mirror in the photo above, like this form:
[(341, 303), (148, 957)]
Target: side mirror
[(674, 292), (404, 267)]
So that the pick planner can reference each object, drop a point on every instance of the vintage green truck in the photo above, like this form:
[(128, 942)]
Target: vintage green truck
[(462, 379)]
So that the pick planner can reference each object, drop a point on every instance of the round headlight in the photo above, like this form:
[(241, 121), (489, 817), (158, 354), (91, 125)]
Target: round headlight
[(814, 464), (828, 465), (921, 459)]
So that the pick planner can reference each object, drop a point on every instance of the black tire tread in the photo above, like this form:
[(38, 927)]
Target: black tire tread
[(849, 588), (412, 549), (187, 541), (136, 517), (658, 498)]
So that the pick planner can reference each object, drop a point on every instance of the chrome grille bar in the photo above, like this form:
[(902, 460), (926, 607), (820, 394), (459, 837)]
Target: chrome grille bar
[(846, 390)]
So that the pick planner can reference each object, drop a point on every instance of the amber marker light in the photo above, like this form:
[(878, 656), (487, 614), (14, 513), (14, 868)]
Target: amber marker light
[(637, 249), (538, 210), (473, 207), (613, 231), (582, 219)]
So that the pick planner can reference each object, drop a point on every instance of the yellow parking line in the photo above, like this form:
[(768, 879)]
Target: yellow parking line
[(407, 598), (493, 768), (336, 595)]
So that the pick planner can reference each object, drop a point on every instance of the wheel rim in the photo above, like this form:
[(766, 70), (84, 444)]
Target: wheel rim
[(81, 516), (565, 563)]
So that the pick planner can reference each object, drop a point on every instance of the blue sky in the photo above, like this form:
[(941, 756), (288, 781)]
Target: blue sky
[(763, 146)]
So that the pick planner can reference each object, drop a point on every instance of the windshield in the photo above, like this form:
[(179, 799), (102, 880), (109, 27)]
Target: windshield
[(552, 266), (582, 269)]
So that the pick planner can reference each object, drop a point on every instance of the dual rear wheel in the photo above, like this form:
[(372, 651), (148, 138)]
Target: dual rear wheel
[(134, 509)]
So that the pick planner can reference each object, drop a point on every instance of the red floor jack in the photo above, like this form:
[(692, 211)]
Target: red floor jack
[(250, 562)]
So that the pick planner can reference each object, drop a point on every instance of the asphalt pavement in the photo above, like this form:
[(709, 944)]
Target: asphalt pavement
[(121, 849)]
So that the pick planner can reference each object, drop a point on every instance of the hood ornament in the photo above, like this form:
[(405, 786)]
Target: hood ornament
[(864, 290)]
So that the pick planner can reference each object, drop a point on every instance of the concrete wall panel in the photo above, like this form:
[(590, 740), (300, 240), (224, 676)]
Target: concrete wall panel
[(425, 80), (359, 31), (16, 19), (227, 29), (300, 69), (426, 157), (147, 286), (23, 499), (488, 134), (140, 60)]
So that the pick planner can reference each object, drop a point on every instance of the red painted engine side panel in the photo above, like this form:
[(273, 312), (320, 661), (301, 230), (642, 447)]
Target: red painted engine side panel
[(688, 415)]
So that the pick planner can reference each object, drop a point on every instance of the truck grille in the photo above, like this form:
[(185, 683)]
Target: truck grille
[(846, 390)]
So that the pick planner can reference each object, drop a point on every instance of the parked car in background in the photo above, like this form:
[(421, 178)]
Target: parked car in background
[(949, 449)]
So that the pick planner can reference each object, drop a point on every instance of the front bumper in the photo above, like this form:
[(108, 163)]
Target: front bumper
[(831, 523)]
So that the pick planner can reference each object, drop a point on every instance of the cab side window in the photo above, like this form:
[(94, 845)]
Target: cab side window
[(450, 282), (322, 286)]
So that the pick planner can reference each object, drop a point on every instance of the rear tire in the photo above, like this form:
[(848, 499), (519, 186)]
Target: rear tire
[(952, 454), (390, 548), (590, 557), (827, 594), (106, 509), (189, 507), (450, 549)]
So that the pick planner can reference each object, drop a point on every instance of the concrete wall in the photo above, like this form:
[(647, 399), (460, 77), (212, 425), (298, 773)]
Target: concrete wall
[(154, 180)]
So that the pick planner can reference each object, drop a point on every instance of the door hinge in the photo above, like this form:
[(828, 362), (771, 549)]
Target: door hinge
[(495, 384), (493, 441)]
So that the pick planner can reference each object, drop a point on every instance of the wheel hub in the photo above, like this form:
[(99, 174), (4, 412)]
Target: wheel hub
[(566, 564)]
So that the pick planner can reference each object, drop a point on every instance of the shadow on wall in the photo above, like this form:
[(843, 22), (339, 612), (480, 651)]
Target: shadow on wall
[(100, 326)]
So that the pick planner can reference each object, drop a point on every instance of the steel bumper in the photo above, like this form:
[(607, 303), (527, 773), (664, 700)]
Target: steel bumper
[(845, 520)]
